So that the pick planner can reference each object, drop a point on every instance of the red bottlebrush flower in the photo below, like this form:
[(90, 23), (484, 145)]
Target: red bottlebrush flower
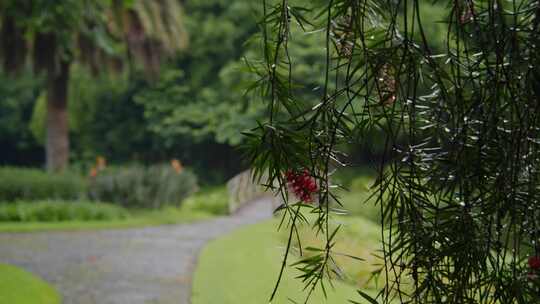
[(534, 262), (290, 176), (302, 184)]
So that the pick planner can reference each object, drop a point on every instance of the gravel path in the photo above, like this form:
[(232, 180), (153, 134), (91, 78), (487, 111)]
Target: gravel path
[(132, 266)]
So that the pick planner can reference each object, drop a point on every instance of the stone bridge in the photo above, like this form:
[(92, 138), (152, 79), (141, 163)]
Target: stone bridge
[(243, 189)]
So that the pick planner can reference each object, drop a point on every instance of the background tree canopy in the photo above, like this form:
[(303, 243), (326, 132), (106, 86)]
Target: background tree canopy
[(196, 103), (104, 35), (195, 107)]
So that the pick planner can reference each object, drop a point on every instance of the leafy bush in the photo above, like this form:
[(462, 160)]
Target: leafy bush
[(143, 187), (33, 184), (211, 200), (356, 199), (57, 211)]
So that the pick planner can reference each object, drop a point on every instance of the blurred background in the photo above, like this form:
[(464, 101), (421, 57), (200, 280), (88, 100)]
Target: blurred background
[(122, 113), (101, 97), (171, 88), (152, 92)]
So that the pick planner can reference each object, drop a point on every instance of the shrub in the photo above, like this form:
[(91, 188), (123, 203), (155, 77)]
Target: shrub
[(34, 184), (57, 211), (143, 187), (211, 200)]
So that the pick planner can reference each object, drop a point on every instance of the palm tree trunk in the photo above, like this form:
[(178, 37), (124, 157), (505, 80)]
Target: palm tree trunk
[(57, 147)]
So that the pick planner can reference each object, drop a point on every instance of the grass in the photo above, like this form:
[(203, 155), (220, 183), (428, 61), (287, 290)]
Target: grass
[(141, 218), (358, 237), (243, 267), (58, 211), (20, 287)]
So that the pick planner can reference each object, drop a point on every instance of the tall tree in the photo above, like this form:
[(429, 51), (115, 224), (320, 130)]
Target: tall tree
[(103, 34)]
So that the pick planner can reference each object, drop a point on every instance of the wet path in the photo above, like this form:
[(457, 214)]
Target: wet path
[(131, 266)]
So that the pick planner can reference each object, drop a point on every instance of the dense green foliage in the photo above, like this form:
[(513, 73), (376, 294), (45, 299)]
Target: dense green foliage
[(143, 187), (194, 109), (17, 99), (83, 215), (96, 104), (21, 287), (33, 184), (202, 97), (59, 211), (103, 35), (457, 116), (214, 200)]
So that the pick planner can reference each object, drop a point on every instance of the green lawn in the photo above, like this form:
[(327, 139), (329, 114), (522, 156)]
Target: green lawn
[(20, 287), (358, 237), (243, 267), (145, 218)]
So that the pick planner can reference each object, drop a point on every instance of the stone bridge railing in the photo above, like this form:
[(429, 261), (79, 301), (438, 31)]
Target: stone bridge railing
[(242, 190)]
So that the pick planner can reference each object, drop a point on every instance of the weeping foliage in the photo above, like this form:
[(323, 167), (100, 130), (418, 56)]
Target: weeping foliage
[(458, 186), (152, 30), (101, 34)]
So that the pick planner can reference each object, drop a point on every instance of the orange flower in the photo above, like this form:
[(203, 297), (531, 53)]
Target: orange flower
[(93, 172), (177, 165), (101, 163)]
